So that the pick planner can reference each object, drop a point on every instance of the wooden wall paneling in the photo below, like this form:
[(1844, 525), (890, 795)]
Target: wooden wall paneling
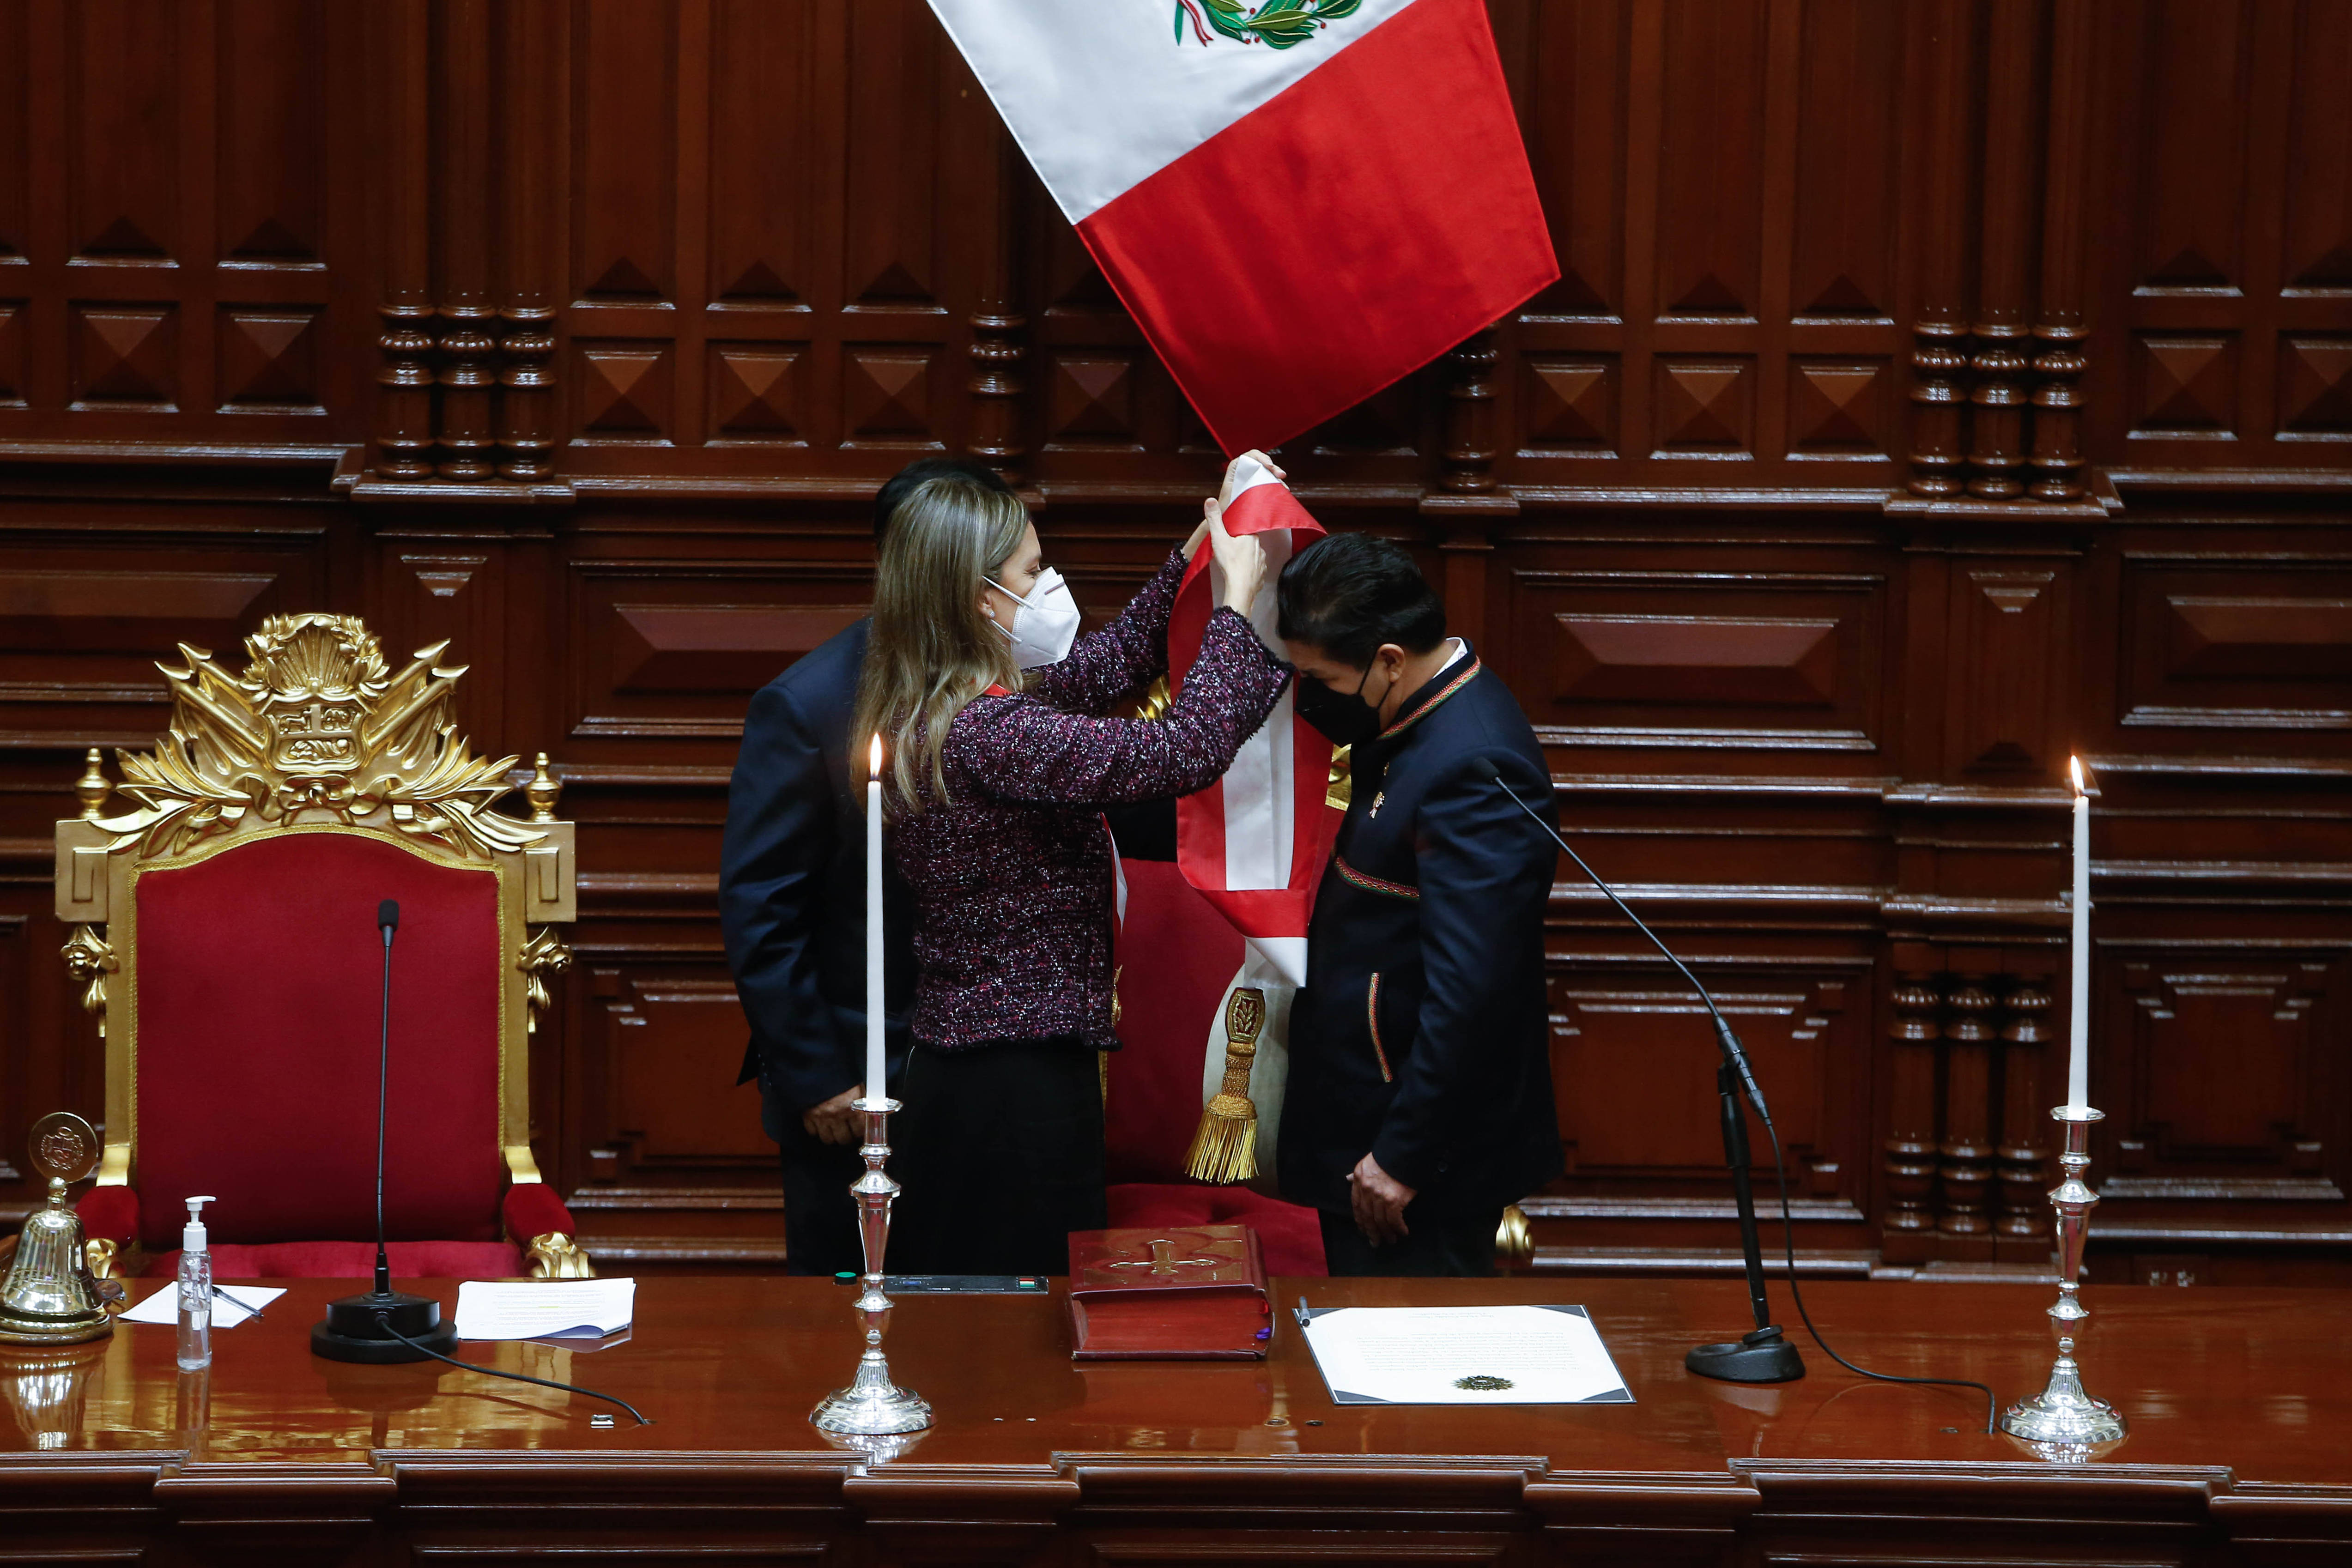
[(464, 311), (1780, 659), (2029, 1084), (2228, 150), (528, 176), (2002, 328), (2217, 1066), (2008, 626), (1907, 1178), (1633, 1062), (2253, 644), (2059, 331), (1964, 1176), (1569, 341), (1844, 298), (1941, 70), (776, 190), (170, 231), (981, 162), (15, 164), (399, 236), (1109, 421), (626, 318)]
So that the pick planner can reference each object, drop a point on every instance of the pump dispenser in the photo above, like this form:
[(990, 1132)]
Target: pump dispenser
[(195, 1286)]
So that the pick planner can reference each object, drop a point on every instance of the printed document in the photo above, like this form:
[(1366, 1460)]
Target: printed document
[(1464, 1356), (537, 1309)]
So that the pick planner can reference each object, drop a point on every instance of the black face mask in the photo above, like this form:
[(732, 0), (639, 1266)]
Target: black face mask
[(1344, 721)]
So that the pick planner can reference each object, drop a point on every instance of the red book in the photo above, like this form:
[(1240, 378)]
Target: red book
[(1192, 1294)]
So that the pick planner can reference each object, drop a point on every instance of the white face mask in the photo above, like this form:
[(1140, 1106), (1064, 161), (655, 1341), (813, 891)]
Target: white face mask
[(1045, 625)]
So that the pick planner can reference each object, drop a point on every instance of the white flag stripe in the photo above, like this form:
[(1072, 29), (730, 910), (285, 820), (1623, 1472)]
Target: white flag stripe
[(1101, 95)]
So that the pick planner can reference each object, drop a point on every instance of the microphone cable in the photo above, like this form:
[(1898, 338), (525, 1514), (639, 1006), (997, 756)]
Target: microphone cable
[(1738, 1058), (384, 1321)]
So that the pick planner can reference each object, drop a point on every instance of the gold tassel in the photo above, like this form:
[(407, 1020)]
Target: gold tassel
[(1224, 1146)]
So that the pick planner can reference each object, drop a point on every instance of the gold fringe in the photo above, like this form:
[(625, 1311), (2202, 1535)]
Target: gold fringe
[(1225, 1146)]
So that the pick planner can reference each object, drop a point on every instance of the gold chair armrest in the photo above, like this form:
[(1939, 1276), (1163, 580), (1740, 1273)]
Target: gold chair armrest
[(1515, 1241), (100, 1252), (555, 1256)]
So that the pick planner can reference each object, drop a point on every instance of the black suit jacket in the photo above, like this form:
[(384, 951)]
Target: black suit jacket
[(1423, 1035), (792, 891)]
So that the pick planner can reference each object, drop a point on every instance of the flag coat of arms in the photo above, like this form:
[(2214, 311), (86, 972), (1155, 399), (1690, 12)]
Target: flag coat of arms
[(1298, 201)]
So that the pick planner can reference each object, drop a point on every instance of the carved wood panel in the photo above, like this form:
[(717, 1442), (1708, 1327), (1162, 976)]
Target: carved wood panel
[(2249, 644), (1722, 184), (635, 301), (1692, 658), (2219, 1062), (2226, 150)]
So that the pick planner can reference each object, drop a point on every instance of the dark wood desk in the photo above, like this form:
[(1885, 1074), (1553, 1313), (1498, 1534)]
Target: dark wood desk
[(2240, 1401)]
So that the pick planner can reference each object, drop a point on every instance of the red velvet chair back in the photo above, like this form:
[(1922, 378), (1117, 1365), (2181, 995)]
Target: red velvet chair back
[(257, 992)]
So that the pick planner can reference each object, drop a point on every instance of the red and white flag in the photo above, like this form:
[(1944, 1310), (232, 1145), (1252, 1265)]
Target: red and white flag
[(1298, 201)]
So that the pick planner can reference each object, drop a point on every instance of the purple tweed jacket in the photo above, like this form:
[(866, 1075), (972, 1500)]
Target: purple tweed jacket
[(1012, 881)]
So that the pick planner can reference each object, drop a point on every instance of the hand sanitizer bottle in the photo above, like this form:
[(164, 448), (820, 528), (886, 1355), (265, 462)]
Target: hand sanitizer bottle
[(195, 1292)]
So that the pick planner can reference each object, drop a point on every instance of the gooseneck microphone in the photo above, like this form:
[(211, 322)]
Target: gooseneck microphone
[(387, 919), (387, 1325), (384, 1324), (1762, 1355)]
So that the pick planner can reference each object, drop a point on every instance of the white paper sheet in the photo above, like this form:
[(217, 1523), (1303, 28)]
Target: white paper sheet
[(1464, 1356), (537, 1309), (161, 1305)]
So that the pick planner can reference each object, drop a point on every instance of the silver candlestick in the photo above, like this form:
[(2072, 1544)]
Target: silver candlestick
[(2062, 1415), (872, 1406)]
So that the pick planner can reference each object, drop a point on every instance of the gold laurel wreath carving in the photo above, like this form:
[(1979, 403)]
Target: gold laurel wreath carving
[(316, 724)]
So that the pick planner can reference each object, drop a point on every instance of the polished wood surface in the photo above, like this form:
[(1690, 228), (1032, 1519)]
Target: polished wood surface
[(1931, 389), (2236, 1398)]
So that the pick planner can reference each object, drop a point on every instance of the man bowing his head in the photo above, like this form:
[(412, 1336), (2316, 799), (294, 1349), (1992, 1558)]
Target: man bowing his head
[(1420, 1100)]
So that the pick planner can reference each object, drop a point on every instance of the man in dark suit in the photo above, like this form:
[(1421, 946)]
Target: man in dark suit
[(1419, 1098), (792, 901)]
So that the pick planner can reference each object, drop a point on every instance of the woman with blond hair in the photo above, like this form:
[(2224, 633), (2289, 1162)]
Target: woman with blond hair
[(992, 713)]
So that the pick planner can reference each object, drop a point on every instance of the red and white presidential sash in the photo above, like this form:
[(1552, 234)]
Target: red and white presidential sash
[(1254, 844)]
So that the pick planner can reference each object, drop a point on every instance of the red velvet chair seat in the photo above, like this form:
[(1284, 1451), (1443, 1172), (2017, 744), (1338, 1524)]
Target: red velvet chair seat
[(1290, 1236)]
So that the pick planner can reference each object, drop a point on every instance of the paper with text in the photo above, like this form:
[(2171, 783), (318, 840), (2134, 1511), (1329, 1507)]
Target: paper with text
[(537, 1309), (162, 1305), (1464, 1356)]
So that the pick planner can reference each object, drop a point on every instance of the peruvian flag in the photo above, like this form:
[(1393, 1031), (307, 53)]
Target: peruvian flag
[(1298, 201)]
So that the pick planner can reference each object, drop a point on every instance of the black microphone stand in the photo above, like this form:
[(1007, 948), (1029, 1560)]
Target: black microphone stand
[(384, 1324), (1763, 1355)]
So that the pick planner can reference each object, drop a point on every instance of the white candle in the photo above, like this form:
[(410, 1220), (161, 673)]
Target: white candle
[(2078, 1033), (876, 1085)]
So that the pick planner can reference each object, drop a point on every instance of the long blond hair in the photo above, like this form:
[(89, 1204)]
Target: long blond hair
[(932, 650)]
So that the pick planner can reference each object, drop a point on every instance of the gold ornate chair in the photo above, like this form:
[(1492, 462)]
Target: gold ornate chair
[(226, 926)]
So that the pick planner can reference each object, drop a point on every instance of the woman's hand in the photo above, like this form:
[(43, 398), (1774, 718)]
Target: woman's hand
[(1264, 462), (1192, 545), (1242, 559)]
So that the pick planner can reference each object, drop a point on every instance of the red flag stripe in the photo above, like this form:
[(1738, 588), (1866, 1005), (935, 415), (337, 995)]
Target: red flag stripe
[(1352, 228)]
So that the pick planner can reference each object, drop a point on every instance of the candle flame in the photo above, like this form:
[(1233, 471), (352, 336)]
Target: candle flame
[(2075, 766), (874, 757)]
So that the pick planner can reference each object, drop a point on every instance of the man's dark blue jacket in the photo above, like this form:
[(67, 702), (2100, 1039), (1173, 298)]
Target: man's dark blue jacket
[(1423, 1035), (791, 890)]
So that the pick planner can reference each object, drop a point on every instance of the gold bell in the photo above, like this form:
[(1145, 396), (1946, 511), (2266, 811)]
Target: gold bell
[(49, 1297)]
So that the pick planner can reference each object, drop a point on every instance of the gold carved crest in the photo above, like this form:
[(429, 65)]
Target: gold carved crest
[(317, 725)]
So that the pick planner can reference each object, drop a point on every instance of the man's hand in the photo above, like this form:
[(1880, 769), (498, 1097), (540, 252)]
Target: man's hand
[(1379, 1199), (833, 1122)]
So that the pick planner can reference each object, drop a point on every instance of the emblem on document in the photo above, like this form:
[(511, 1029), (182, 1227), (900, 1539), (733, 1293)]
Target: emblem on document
[(1483, 1384), (1278, 24)]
